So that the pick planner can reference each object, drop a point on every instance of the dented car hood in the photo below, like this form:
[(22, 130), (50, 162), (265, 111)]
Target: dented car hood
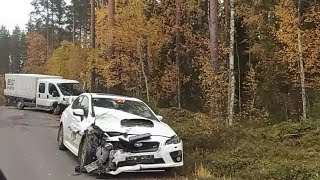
[(109, 120)]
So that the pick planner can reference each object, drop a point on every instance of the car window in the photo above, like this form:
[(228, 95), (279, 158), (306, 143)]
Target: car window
[(42, 88), (133, 107), (52, 88), (85, 106), (77, 103)]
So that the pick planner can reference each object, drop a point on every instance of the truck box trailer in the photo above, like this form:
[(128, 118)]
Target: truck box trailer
[(46, 92)]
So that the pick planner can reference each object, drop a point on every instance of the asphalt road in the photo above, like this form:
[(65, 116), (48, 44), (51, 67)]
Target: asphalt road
[(28, 149)]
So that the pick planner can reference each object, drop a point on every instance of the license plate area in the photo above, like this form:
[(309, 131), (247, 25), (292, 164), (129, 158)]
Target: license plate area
[(140, 159)]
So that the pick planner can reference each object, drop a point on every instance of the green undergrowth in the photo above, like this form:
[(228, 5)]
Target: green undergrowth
[(284, 151)]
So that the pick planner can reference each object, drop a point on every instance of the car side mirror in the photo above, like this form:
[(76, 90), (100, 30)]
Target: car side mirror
[(159, 117), (78, 112)]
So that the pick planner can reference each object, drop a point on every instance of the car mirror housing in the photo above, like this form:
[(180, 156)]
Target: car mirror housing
[(159, 117), (78, 112)]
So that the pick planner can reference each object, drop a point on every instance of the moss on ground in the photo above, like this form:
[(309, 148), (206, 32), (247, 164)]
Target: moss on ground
[(283, 151)]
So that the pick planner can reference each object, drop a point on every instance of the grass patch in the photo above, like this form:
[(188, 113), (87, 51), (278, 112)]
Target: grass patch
[(203, 173), (286, 151)]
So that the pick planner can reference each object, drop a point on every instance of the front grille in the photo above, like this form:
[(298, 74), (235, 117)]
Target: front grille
[(145, 147), (128, 163)]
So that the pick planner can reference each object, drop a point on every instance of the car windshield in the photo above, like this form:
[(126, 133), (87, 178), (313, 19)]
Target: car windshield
[(70, 89), (132, 107)]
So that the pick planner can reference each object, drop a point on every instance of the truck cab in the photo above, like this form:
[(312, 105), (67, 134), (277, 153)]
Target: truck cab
[(45, 92), (56, 94)]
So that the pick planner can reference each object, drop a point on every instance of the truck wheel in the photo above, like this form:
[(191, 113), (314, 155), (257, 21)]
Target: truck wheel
[(56, 110), (60, 138), (20, 104)]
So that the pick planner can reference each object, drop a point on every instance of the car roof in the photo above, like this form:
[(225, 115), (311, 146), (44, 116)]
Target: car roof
[(58, 80), (113, 96)]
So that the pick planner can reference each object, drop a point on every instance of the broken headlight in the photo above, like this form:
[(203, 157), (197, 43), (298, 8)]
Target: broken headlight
[(173, 140)]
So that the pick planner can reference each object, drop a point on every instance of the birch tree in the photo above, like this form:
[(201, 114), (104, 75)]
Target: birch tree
[(301, 70), (231, 98)]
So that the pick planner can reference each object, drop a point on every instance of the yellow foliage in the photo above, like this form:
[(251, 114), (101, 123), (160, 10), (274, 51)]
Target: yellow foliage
[(57, 64), (131, 31), (70, 61), (288, 35), (215, 87), (36, 53)]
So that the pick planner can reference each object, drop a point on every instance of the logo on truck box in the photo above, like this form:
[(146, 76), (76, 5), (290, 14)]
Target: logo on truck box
[(10, 84)]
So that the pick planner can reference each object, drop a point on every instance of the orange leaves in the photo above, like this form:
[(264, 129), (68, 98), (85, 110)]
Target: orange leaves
[(36, 53), (288, 23), (287, 34)]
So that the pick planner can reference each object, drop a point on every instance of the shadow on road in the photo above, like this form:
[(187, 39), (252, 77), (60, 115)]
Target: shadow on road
[(124, 176)]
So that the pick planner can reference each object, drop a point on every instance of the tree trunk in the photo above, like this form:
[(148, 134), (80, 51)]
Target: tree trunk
[(226, 26), (231, 67), (143, 67), (73, 28), (111, 13), (239, 78), (227, 14), (47, 29), (52, 26), (178, 49), (93, 43), (301, 64), (214, 35)]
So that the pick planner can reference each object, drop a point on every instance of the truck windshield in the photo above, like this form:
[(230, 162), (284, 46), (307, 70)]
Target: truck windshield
[(70, 89)]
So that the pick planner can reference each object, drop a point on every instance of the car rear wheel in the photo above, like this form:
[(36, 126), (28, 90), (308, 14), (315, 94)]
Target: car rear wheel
[(60, 139)]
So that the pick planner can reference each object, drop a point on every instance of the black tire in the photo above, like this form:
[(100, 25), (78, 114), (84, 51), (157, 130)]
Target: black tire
[(56, 110), (20, 104), (84, 154), (60, 139)]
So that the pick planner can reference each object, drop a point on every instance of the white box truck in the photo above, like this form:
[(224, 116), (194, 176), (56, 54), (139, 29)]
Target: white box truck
[(45, 92)]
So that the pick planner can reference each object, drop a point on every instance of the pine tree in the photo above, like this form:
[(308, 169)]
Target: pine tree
[(4, 50), (17, 50)]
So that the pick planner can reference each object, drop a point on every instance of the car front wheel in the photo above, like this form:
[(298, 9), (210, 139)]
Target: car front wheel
[(84, 154), (60, 139)]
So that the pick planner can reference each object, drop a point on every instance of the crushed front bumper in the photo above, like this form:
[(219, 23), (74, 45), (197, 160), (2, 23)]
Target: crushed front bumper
[(168, 156)]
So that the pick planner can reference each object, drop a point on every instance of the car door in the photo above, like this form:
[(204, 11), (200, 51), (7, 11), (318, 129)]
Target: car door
[(81, 120), (54, 95), (41, 95), (70, 118)]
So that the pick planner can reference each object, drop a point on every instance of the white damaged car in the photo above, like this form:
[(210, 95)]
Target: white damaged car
[(113, 134)]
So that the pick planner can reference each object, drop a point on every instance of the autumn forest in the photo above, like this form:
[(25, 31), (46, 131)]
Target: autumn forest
[(237, 62)]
